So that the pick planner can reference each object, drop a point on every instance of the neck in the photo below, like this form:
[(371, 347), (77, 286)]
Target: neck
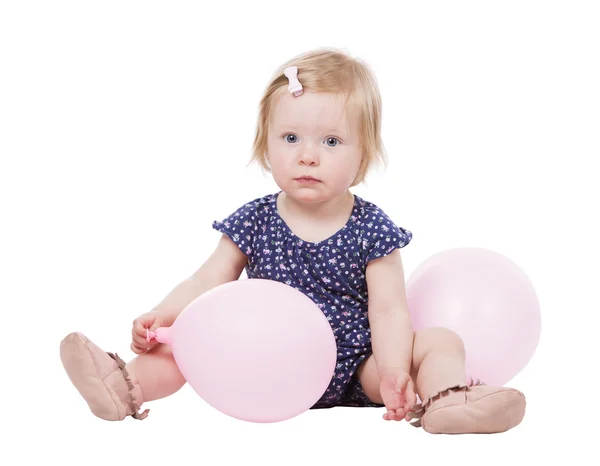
[(325, 209)]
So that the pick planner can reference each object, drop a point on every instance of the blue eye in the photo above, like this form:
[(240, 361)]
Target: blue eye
[(293, 138), (332, 140)]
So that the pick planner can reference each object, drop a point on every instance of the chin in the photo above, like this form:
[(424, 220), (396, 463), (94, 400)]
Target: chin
[(307, 195), (304, 195)]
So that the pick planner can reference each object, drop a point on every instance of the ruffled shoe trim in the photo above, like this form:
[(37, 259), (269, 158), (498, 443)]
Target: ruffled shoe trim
[(417, 412), (132, 403)]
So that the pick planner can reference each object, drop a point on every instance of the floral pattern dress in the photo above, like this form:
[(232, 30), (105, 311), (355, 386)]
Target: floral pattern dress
[(331, 272)]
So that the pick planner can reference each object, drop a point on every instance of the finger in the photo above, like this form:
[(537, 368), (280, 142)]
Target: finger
[(143, 322), (141, 336), (143, 346), (400, 413), (136, 349), (139, 340), (137, 325), (390, 415), (155, 324), (139, 344), (411, 396)]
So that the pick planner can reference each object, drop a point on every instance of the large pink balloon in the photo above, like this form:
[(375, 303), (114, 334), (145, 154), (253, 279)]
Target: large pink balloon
[(254, 349), (487, 300)]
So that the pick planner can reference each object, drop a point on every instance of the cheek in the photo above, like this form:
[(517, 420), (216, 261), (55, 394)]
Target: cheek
[(280, 156), (341, 175), (280, 166), (346, 171), (276, 160)]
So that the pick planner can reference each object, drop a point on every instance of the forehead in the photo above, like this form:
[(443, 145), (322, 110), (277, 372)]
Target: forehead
[(311, 110)]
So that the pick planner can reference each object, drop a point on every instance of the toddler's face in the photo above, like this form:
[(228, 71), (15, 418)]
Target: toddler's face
[(312, 136)]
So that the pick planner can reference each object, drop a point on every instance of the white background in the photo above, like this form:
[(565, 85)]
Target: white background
[(125, 130)]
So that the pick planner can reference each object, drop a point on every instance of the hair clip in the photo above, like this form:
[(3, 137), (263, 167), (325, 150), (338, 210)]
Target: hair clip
[(291, 72)]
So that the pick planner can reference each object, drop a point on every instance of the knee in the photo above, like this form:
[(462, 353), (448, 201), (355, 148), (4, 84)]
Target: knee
[(442, 338)]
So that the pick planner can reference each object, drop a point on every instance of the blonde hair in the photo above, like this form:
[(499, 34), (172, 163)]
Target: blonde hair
[(332, 71)]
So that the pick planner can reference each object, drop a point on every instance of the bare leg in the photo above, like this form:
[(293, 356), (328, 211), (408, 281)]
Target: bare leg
[(156, 372), (113, 389), (450, 404), (438, 361), (441, 355)]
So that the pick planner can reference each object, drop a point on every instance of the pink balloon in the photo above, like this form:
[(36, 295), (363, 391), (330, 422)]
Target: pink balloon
[(257, 350), (487, 300)]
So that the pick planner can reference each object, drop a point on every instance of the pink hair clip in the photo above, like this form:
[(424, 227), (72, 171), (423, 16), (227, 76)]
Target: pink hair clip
[(291, 72)]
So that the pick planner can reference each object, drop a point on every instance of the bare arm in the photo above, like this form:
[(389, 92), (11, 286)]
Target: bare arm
[(224, 265), (391, 329)]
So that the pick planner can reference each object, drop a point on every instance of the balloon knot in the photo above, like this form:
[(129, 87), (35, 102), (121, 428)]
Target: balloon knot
[(150, 335)]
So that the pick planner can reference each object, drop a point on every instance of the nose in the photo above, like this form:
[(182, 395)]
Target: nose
[(309, 156)]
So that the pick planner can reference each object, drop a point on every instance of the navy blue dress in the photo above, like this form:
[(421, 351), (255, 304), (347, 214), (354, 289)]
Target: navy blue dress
[(331, 272)]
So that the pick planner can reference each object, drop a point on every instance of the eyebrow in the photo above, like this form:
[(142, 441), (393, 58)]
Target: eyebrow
[(330, 129)]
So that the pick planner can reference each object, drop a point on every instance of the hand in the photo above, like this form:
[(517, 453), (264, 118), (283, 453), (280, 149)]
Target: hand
[(150, 320), (398, 394)]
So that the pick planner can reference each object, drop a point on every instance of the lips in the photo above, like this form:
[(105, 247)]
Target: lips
[(306, 178)]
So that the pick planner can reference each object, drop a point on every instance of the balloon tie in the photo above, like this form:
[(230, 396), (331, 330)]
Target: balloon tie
[(150, 335)]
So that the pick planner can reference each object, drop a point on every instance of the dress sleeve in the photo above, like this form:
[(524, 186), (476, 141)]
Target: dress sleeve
[(382, 236), (240, 227)]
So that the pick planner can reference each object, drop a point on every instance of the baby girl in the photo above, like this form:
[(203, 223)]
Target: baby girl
[(318, 134)]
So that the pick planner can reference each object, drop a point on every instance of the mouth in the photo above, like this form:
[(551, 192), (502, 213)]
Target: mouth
[(306, 179)]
